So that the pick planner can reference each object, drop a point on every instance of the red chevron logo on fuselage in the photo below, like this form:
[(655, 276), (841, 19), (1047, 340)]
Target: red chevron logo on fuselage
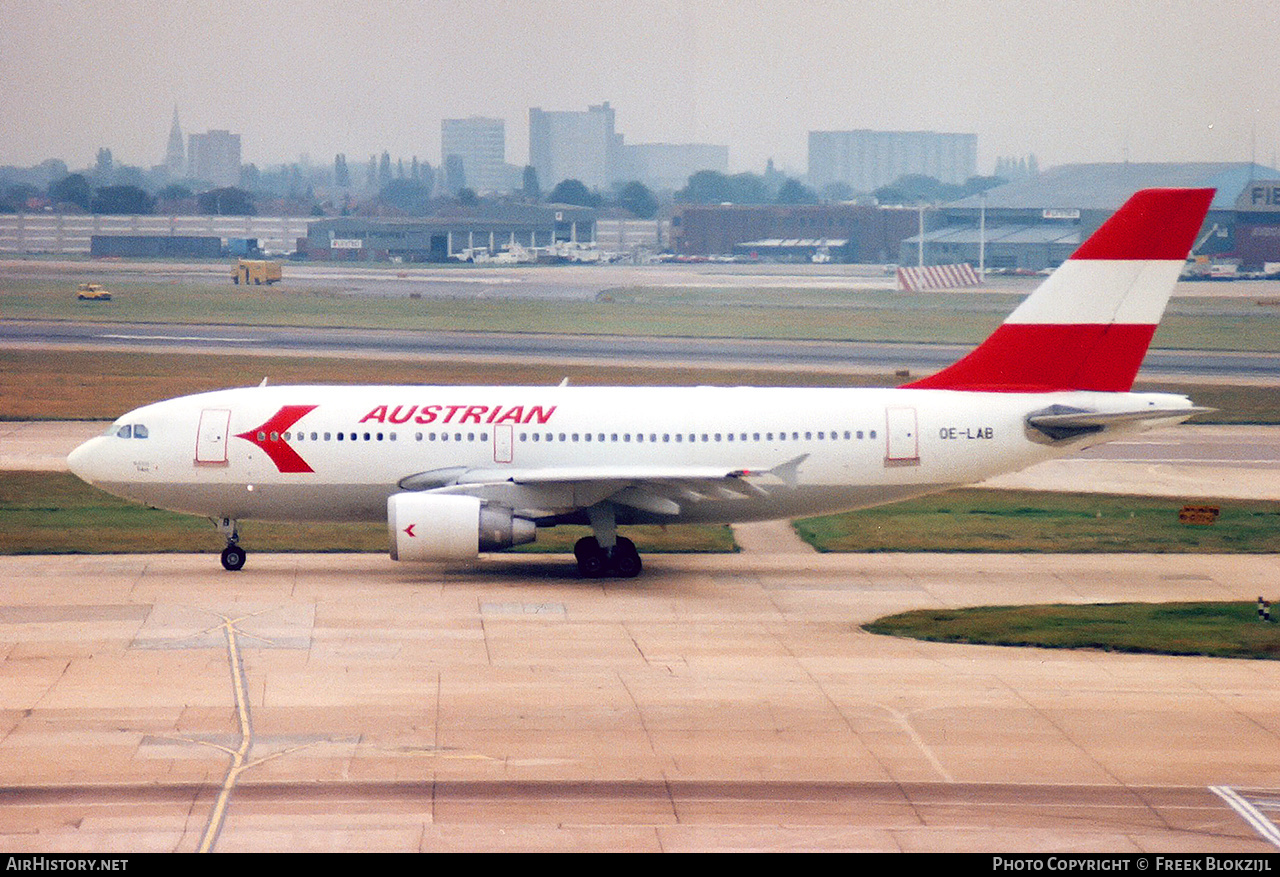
[(268, 437)]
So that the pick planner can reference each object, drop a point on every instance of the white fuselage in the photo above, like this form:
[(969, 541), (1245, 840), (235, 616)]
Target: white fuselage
[(337, 453)]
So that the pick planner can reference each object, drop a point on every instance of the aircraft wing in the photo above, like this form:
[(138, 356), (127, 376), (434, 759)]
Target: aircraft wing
[(659, 490)]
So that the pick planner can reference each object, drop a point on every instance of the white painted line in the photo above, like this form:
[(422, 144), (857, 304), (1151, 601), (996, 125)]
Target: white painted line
[(1272, 461), (905, 721), (1249, 813), (181, 338)]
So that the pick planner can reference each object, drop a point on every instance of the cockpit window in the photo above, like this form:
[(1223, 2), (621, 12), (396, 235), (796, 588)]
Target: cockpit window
[(132, 430), (125, 431), (139, 431)]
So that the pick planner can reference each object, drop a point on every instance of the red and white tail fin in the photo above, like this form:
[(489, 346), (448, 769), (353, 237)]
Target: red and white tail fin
[(1087, 327)]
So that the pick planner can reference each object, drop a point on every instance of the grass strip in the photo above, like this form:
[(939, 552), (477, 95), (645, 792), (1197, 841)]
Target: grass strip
[(103, 384), (57, 513), (1022, 521), (1221, 630)]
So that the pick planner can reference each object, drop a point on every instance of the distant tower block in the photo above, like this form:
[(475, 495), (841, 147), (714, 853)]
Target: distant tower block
[(214, 157), (175, 158)]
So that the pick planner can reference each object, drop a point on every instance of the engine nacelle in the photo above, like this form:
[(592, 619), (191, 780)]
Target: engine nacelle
[(445, 527)]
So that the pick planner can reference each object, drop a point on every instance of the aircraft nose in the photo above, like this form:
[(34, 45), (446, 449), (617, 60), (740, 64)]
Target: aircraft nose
[(86, 460)]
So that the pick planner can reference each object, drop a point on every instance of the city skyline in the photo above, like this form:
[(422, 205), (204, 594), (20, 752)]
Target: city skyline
[(1069, 82)]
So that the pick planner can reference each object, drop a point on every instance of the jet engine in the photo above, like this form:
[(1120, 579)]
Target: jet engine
[(446, 527)]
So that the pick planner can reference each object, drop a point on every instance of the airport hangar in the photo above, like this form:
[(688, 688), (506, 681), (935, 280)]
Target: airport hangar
[(1036, 223), (437, 238), (847, 232)]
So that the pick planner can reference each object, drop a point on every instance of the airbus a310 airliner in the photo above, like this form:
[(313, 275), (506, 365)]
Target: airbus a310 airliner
[(459, 470)]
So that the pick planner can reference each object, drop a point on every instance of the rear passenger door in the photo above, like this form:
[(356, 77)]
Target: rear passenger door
[(902, 440)]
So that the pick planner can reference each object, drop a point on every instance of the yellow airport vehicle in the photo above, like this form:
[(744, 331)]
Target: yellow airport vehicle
[(256, 271), (92, 292)]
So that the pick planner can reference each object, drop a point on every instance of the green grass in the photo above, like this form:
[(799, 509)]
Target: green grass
[(1225, 630), (649, 539), (1019, 521), (103, 384), (56, 513)]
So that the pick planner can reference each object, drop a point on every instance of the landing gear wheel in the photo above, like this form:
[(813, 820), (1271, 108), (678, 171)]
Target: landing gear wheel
[(625, 560), (592, 561), (233, 557)]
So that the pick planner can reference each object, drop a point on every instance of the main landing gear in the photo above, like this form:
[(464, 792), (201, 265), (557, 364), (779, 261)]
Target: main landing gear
[(594, 562), (233, 555), (606, 553)]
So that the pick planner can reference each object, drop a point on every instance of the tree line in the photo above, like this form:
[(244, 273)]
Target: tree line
[(417, 189)]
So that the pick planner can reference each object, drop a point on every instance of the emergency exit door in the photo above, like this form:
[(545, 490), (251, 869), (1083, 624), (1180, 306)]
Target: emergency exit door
[(503, 444)]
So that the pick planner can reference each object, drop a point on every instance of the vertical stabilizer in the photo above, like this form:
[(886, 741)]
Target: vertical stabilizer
[(1088, 326)]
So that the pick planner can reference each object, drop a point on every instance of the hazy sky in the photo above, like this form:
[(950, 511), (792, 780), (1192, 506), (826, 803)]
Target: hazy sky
[(1085, 80)]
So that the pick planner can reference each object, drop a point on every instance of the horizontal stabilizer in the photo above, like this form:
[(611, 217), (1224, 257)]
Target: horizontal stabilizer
[(1059, 422)]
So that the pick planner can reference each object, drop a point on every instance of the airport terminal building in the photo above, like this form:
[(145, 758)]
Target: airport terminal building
[(1036, 223)]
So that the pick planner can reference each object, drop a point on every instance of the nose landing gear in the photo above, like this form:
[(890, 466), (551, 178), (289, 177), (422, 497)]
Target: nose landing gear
[(233, 555)]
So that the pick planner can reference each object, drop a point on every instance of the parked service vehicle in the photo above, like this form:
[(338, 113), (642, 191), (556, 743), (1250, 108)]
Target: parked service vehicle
[(92, 292), (256, 271)]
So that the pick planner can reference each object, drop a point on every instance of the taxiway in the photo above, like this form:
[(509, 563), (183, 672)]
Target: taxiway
[(730, 702), (837, 356)]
